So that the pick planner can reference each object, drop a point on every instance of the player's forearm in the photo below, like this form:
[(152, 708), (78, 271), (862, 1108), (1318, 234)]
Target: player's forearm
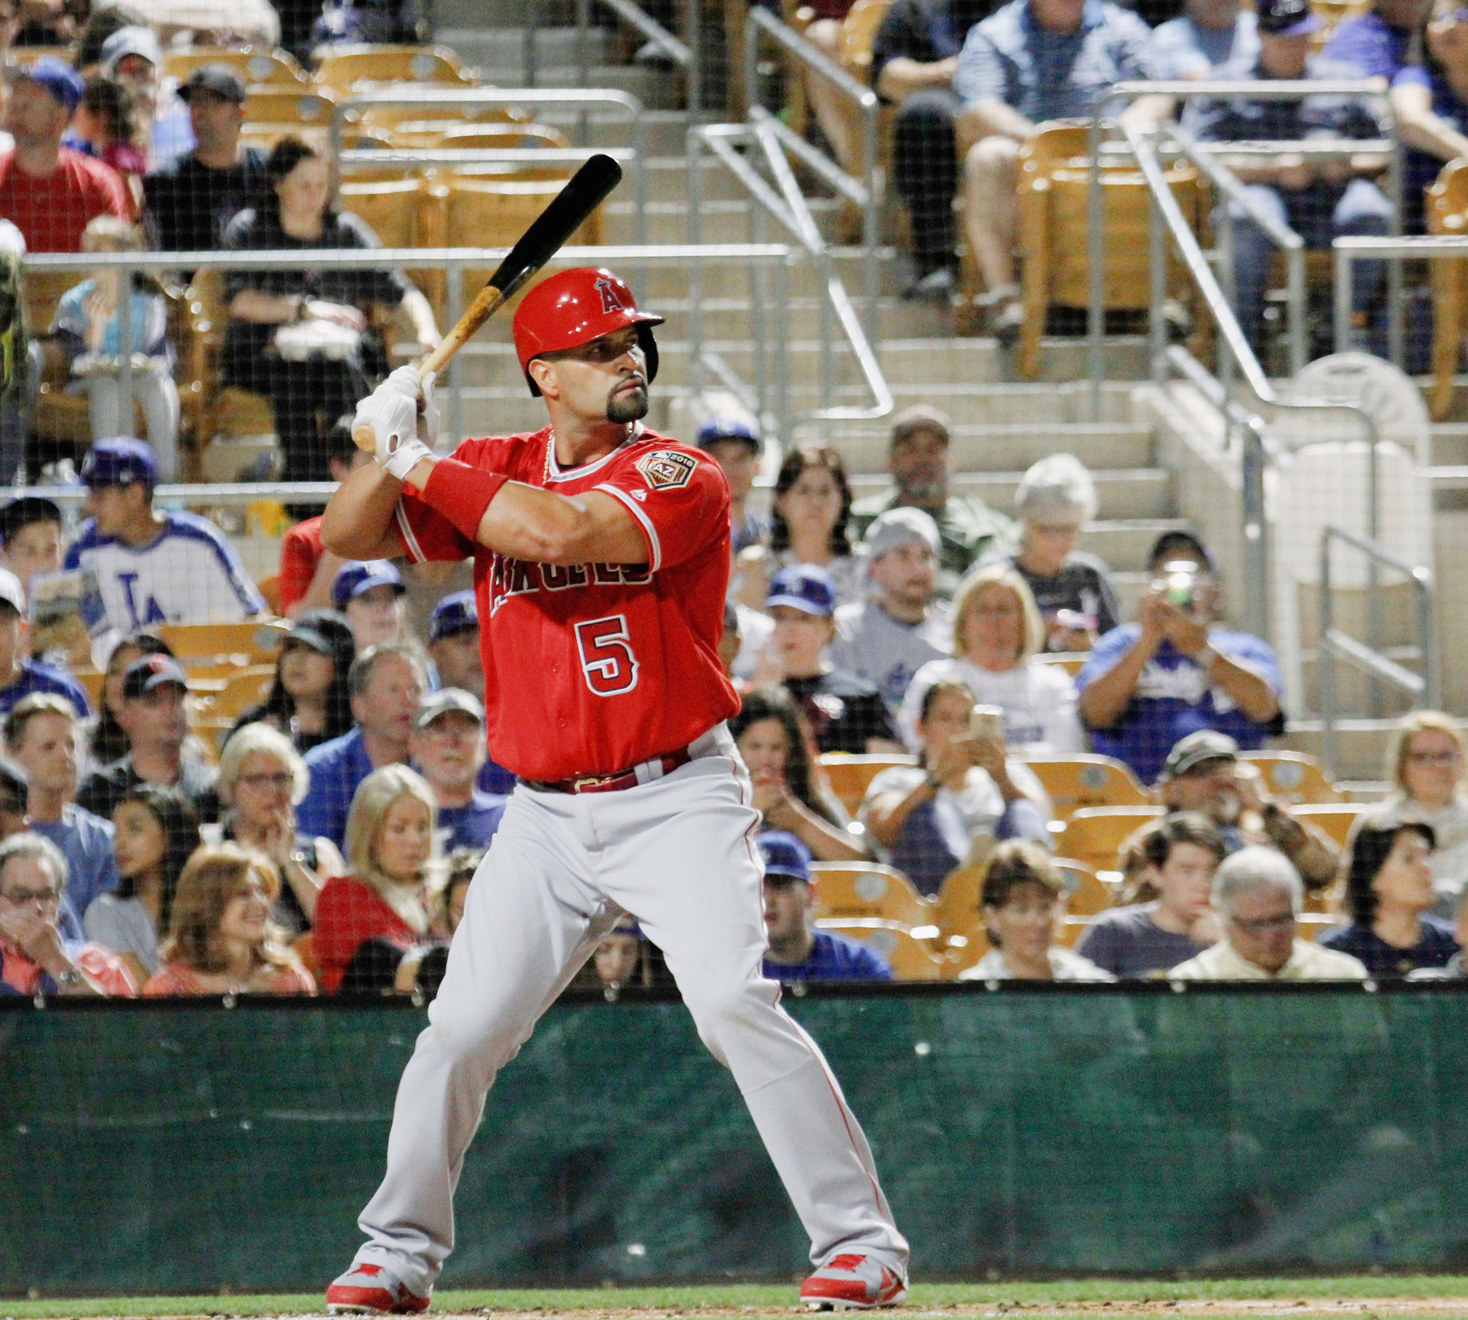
[(359, 516)]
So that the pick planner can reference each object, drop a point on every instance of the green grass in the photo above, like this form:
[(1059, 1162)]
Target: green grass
[(756, 1299)]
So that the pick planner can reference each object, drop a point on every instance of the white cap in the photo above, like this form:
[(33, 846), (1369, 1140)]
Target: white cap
[(11, 592)]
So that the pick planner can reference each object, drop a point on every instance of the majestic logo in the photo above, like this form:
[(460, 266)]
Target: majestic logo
[(610, 299), (666, 469)]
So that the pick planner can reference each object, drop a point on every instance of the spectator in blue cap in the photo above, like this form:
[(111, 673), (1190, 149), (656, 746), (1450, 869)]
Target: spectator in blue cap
[(733, 443), (453, 644), (48, 191), (20, 676), (152, 567), (796, 952), (370, 593), (845, 713)]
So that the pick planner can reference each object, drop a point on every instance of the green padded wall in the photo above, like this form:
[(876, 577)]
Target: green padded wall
[(187, 1148)]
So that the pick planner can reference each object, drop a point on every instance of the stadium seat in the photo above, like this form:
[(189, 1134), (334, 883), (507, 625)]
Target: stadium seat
[(305, 947), (1085, 892), (1054, 206), (392, 208), (1093, 834), (229, 698), (253, 643), (1087, 780), (850, 774), (1293, 777), (909, 958), (1312, 925), (347, 68), (1335, 818), (423, 125), (1070, 661), (91, 681), (956, 907), (868, 890), (256, 65), (858, 32), (286, 109), (270, 588), (1447, 214)]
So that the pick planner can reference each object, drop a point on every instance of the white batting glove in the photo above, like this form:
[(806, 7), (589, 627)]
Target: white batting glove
[(390, 412), (428, 412)]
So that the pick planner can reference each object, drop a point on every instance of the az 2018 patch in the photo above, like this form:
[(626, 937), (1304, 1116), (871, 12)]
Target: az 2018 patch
[(666, 469)]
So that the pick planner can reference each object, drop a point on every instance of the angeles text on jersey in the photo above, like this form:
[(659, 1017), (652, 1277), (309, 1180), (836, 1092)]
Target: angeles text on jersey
[(516, 577)]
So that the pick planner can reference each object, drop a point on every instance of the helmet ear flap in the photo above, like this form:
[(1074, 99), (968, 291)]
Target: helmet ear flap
[(649, 349)]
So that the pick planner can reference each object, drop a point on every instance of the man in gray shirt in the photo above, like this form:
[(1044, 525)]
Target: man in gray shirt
[(1183, 852), (886, 640)]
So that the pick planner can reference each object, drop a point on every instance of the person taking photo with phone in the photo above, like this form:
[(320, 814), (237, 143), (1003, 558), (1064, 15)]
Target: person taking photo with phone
[(1151, 683)]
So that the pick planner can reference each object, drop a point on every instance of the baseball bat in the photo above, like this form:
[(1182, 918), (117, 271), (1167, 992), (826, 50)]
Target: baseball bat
[(584, 192)]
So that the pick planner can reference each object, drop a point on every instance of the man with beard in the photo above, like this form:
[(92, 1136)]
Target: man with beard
[(601, 562), (887, 639), (1203, 773), (919, 461)]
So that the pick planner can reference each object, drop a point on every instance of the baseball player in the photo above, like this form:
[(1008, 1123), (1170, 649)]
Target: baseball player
[(601, 556)]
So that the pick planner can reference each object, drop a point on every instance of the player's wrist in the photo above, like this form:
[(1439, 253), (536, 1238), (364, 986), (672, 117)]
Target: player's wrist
[(418, 475)]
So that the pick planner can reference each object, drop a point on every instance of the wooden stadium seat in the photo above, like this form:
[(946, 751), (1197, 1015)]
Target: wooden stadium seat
[(91, 681), (1312, 925), (1086, 779), (858, 32), (1334, 818), (392, 208), (257, 65), (956, 907), (1054, 208), (269, 587), (1093, 834), (868, 890), (1447, 214), (910, 958), (229, 698), (305, 947), (345, 68), (1070, 661), (504, 136), (1085, 892), (286, 109), (851, 774), (254, 642), (1293, 777)]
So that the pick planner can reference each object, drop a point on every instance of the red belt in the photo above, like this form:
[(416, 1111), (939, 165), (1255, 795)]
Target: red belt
[(612, 783)]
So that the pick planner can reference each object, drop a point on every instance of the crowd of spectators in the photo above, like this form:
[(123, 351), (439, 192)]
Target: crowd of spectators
[(326, 845)]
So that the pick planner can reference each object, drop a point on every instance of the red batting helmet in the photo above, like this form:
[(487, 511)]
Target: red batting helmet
[(575, 307)]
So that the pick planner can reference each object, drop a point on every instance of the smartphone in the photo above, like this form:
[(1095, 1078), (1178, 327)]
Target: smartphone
[(987, 722), (1178, 583)]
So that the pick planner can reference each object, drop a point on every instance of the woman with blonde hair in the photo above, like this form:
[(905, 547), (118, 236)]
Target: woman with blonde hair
[(261, 779), (1425, 764), (221, 939), (367, 921), (997, 632)]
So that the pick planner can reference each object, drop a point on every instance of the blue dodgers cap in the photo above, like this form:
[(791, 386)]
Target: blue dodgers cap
[(784, 854), (1288, 18), (120, 461), (803, 587), (362, 575), (455, 613), (149, 674), (57, 77), (728, 428)]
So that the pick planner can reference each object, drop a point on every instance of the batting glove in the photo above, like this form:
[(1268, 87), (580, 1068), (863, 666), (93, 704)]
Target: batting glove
[(428, 412), (390, 412)]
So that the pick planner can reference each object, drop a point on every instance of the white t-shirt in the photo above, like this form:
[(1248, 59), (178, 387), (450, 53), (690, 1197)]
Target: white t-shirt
[(960, 816), (1065, 965), (1039, 701)]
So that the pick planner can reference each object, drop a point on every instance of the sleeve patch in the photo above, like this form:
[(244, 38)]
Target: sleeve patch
[(666, 469)]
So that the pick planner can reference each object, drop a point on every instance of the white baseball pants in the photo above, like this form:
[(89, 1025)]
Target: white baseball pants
[(676, 853)]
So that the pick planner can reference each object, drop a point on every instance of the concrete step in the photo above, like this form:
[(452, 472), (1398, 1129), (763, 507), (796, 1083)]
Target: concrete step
[(1007, 447), (1138, 493), (1124, 544)]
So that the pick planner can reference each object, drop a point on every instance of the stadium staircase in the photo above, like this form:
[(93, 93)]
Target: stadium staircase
[(1002, 424)]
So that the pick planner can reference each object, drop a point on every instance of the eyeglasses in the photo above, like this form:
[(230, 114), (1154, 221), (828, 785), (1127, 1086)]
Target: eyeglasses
[(282, 780), (1264, 924), (20, 897)]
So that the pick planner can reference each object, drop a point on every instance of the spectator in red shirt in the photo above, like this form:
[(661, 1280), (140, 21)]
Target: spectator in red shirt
[(307, 569), (49, 191), (35, 958), (367, 921)]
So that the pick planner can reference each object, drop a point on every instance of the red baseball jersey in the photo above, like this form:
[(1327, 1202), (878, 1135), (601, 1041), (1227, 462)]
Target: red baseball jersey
[(592, 668)]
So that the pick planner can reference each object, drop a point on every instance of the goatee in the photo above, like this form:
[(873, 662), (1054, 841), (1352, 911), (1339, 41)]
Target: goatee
[(630, 406)]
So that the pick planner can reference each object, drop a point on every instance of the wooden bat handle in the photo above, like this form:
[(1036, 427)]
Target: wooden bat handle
[(486, 303)]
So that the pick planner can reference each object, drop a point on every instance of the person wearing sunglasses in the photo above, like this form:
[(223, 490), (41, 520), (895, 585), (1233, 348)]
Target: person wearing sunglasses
[(1258, 895)]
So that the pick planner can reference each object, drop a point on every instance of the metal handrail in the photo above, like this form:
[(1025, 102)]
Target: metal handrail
[(453, 260), (1370, 660), (788, 207), (865, 192), (1345, 251), (1371, 89)]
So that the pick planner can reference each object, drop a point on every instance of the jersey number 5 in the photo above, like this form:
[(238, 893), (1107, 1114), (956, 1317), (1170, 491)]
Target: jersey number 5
[(606, 655)]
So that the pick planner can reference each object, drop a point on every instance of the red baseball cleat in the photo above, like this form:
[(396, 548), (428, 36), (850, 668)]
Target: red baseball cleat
[(372, 1288), (852, 1283)]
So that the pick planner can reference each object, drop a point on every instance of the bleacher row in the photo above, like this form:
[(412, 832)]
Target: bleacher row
[(1098, 805)]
